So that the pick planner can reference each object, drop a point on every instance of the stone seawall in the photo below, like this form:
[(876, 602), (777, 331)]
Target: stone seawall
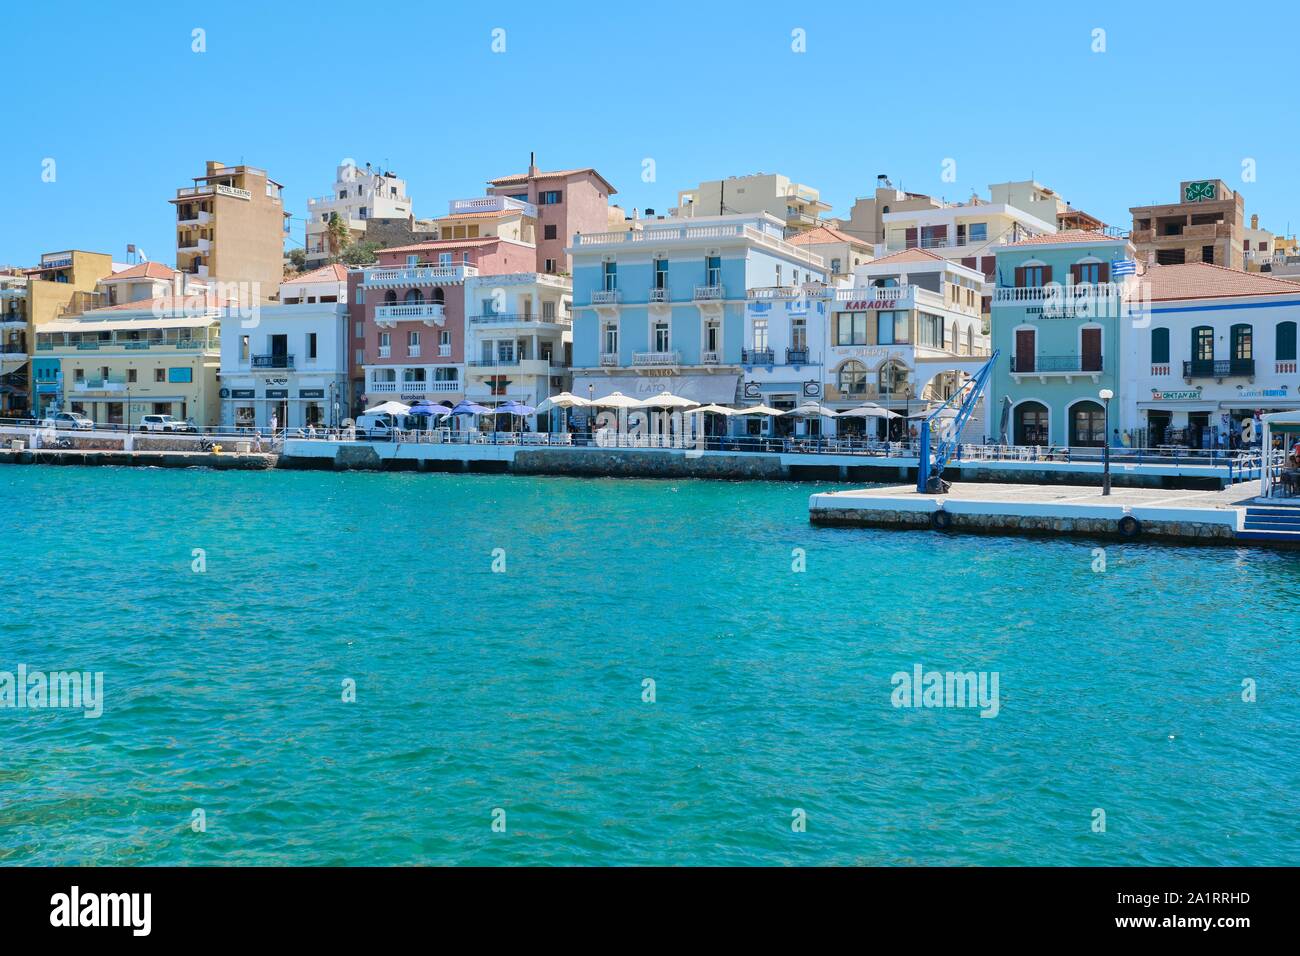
[(138, 459), (642, 464), (1183, 531)]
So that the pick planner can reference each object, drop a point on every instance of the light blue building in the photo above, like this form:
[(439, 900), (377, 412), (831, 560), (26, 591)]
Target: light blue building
[(661, 305), (1056, 316), (47, 386)]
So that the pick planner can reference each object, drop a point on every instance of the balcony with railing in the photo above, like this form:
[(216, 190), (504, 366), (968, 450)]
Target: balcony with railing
[(796, 356), (430, 313), (609, 359), (415, 386), (383, 277), (606, 297), (273, 361), (1219, 368), (757, 357), (659, 296), (1056, 364), (656, 359), (710, 357), (523, 365), (487, 205), (519, 318), (709, 293), (655, 233), (101, 383)]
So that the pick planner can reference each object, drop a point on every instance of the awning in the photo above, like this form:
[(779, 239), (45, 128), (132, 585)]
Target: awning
[(705, 389), (12, 365), (1179, 405), (143, 324)]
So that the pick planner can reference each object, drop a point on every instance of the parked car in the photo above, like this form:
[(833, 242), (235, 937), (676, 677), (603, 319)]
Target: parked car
[(165, 423), (68, 420), (377, 426)]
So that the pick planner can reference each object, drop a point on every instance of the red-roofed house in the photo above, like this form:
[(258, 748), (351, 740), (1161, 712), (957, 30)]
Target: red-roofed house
[(407, 314), (568, 201)]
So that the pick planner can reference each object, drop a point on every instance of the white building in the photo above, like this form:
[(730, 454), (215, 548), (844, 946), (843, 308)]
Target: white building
[(784, 356), (518, 337), (289, 361), (359, 194), (906, 335), (1220, 347)]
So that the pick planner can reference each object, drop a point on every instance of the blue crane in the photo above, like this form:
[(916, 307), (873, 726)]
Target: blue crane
[(929, 475)]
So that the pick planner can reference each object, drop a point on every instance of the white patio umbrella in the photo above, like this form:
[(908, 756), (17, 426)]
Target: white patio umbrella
[(869, 411), (666, 399), (811, 410), (389, 408), (616, 400), (712, 409), (759, 410), (562, 400)]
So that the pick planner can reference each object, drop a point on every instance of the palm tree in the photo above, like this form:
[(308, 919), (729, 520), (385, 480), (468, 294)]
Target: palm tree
[(337, 235)]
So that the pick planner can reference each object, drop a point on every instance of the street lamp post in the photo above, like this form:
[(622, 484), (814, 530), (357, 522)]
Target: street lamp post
[(1105, 395)]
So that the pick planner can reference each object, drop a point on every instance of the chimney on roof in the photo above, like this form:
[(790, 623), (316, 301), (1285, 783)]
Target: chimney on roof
[(532, 165), (1254, 221)]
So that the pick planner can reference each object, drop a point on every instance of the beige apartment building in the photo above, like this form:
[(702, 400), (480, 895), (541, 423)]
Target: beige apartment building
[(800, 207), (1207, 224), (230, 227)]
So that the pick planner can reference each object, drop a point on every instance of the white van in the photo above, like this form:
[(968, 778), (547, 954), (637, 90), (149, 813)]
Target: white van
[(378, 426)]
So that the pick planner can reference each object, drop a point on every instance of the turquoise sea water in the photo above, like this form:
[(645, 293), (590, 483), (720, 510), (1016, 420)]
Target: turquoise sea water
[(522, 690)]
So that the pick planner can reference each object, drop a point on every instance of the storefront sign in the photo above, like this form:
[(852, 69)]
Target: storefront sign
[(242, 393), (311, 393), (1280, 392), (1186, 395), (870, 304), (278, 380), (277, 393)]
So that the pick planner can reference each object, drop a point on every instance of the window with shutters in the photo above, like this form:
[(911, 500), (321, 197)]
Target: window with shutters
[(1286, 342), (1243, 342), (1159, 346)]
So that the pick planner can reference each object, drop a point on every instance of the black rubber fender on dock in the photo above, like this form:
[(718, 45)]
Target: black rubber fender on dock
[(1129, 527), (940, 520)]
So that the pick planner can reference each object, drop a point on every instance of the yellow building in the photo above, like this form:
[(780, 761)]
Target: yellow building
[(230, 228), (62, 282), (155, 357)]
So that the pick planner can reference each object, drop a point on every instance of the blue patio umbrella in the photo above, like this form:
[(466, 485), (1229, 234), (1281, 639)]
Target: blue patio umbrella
[(426, 407), (466, 407), (514, 408)]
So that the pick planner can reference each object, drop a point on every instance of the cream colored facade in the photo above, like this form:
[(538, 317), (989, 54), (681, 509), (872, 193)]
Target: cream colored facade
[(484, 216), (230, 229), (800, 207), (122, 362)]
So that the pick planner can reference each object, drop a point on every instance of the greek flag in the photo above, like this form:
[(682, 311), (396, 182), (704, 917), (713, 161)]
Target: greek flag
[(1123, 267)]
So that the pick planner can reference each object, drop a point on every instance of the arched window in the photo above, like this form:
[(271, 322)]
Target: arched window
[(1031, 424), (413, 297), (1286, 342), (1160, 346), (893, 378), (954, 343), (437, 295), (1202, 344), (853, 378), (1087, 425), (390, 297)]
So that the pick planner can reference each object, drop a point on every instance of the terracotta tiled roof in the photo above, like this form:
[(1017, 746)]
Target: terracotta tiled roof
[(442, 244), (164, 304), (1202, 280), (908, 255), (145, 270), (479, 215), (330, 273), (824, 234), (1069, 235), (520, 178)]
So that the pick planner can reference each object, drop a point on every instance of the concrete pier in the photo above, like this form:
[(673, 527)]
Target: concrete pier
[(138, 459), (1189, 516)]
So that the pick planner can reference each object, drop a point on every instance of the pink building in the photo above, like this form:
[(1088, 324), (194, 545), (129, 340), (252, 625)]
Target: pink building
[(408, 311), (568, 201)]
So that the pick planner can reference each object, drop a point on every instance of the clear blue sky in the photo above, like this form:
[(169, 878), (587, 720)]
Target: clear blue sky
[(116, 97)]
